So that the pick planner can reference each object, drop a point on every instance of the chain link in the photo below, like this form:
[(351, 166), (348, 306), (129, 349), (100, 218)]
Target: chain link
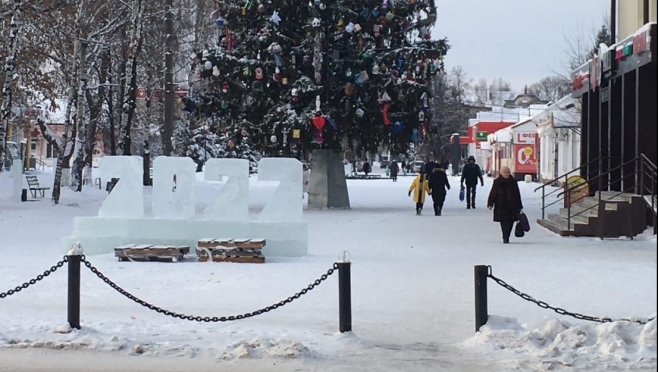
[(560, 310), (34, 281), (208, 319)]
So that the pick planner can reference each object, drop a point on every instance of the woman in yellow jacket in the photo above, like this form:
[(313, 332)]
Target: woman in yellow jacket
[(419, 187)]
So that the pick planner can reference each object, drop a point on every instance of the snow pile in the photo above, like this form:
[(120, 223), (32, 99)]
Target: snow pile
[(555, 343), (264, 348)]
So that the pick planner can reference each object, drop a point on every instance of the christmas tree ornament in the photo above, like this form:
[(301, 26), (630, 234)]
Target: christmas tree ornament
[(357, 27), (257, 86), (399, 63), (390, 16), (243, 10), (220, 21), (316, 22), (340, 25), (398, 127), (275, 18), (331, 122), (319, 121), (424, 101), (215, 71), (207, 65), (414, 135), (261, 8), (375, 69), (322, 6), (224, 87), (224, 105), (296, 133), (361, 77), (421, 116), (259, 73), (284, 81), (359, 112), (349, 28), (273, 139), (387, 120), (277, 75)]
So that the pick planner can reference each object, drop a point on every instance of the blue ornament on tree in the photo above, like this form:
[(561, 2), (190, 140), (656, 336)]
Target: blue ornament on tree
[(398, 127)]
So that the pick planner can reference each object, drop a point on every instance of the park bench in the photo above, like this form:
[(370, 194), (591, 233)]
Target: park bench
[(231, 250), (33, 184), (149, 252)]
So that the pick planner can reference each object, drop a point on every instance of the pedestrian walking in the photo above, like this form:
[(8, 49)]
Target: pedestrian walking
[(394, 168), (366, 168), (419, 187), (505, 200), (438, 183), (404, 167), (470, 174)]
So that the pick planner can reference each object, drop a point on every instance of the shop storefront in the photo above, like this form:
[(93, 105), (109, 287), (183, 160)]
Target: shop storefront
[(617, 90)]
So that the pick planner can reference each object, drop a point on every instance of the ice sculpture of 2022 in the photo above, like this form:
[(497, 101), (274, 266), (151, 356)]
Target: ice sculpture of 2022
[(121, 218)]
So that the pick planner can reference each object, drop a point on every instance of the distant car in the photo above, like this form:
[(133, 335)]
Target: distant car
[(418, 165)]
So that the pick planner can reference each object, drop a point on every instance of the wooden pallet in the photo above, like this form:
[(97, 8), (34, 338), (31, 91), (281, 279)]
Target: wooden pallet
[(231, 250), (149, 252)]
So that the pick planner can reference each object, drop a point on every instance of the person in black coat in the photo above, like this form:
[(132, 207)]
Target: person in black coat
[(366, 168), (505, 199), (438, 185), (394, 168), (471, 173)]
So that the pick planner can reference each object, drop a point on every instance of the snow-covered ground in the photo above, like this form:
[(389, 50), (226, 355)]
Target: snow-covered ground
[(412, 294)]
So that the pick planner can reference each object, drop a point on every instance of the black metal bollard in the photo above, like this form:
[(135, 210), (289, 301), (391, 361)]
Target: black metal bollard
[(344, 296), (481, 307), (74, 259)]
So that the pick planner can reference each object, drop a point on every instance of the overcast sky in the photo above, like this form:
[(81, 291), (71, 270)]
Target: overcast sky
[(518, 40)]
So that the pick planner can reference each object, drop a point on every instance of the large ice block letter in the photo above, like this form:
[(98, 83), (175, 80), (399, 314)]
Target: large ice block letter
[(173, 187), (127, 196), (286, 203), (232, 202)]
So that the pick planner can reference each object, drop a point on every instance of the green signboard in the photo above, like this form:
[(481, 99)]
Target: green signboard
[(481, 136)]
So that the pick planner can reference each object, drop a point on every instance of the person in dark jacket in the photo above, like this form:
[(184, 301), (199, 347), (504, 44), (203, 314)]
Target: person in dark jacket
[(366, 168), (470, 173), (505, 199), (394, 168), (438, 185)]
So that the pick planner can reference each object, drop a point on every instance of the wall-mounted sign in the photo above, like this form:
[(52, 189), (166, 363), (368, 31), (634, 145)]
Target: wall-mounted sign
[(525, 138), (481, 136), (607, 61), (642, 42)]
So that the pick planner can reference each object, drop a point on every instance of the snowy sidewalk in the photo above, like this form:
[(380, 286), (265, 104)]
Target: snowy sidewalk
[(412, 290)]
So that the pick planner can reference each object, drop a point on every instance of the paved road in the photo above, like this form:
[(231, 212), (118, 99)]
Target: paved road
[(31, 360)]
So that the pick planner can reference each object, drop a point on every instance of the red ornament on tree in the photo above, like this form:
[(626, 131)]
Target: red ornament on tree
[(387, 120), (319, 122)]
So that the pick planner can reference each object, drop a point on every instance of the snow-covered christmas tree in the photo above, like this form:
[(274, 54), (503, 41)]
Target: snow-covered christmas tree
[(335, 74)]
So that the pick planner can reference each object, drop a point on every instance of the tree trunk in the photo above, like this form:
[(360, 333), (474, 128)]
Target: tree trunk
[(10, 66), (96, 108), (81, 123), (168, 128), (66, 146), (130, 102)]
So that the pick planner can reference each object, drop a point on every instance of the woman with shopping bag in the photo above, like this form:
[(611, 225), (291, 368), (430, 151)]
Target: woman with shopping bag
[(505, 200)]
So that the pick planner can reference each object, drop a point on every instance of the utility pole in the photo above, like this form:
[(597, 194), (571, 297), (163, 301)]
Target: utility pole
[(169, 102)]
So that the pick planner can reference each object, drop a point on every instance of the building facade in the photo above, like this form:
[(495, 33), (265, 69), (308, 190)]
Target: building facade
[(617, 90)]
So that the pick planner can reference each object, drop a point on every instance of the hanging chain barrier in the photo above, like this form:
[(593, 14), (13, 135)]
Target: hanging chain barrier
[(209, 319), (36, 279), (559, 310)]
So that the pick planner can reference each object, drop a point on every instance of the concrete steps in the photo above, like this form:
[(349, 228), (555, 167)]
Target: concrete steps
[(620, 216)]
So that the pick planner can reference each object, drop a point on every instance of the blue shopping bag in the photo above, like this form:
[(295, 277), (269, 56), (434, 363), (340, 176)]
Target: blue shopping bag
[(462, 191)]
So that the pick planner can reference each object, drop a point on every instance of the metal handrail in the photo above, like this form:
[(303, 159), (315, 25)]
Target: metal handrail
[(642, 159), (549, 183)]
